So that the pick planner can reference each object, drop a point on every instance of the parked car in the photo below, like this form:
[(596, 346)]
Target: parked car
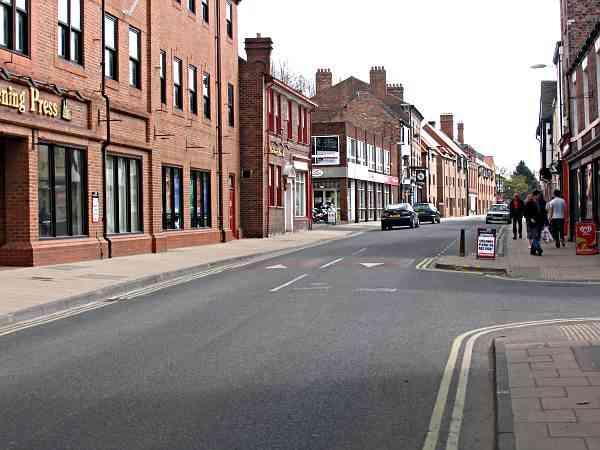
[(498, 213), (401, 214), (427, 212)]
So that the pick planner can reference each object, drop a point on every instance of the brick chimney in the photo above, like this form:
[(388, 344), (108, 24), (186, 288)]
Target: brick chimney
[(378, 82), (259, 49), (396, 90), (324, 80), (461, 132), (447, 124)]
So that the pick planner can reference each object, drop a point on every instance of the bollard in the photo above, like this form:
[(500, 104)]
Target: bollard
[(462, 242)]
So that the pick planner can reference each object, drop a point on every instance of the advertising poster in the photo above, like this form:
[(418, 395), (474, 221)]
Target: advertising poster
[(486, 243), (586, 238)]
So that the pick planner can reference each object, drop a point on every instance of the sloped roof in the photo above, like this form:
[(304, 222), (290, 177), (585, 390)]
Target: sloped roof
[(444, 140)]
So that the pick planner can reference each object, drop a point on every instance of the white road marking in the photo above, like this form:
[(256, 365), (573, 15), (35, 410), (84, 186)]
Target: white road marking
[(278, 266), (432, 437), (329, 264), (371, 265), (358, 252), (385, 290), (289, 283)]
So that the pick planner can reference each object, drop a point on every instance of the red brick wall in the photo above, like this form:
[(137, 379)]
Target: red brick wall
[(578, 19)]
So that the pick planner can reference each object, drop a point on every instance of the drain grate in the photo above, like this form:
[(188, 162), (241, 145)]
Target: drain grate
[(581, 332)]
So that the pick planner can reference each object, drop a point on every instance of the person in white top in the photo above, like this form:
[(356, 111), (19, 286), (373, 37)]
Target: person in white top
[(556, 210)]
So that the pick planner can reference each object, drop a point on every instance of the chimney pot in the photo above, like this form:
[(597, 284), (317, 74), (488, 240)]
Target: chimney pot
[(461, 132), (259, 49), (447, 124), (378, 83), (324, 80)]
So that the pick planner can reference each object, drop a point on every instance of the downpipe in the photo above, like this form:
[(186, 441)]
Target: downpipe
[(106, 143)]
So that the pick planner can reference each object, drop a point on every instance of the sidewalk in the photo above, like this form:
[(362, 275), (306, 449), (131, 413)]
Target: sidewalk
[(548, 388), (30, 292), (556, 264)]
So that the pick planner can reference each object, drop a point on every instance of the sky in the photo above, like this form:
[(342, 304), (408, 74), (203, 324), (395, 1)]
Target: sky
[(471, 58)]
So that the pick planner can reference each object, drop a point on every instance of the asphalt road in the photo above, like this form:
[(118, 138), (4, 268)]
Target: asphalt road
[(346, 357)]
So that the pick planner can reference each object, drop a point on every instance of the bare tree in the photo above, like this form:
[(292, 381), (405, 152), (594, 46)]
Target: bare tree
[(281, 70)]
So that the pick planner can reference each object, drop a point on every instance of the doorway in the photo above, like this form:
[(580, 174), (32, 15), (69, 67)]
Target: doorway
[(289, 206)]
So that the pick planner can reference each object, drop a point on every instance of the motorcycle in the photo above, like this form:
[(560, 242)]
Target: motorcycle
[(321, 213)]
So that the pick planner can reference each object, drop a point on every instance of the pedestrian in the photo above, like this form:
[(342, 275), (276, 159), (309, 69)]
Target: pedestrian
[(535, 221), (556, 208), (516, 215), (542, 203)]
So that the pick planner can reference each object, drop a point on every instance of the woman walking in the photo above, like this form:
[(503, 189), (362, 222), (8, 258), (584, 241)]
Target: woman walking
[(535, 221)]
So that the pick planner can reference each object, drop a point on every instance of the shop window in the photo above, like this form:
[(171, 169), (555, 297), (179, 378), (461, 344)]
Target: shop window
[(177, 84), (163, 77), (206, 95), (193, 89), (172, 182), (229, 19), (135, 76), (205, 10), (70, 41), (123, 195), (300, 194), (61, 191), (200, 199), (14, 25), (111, 47), (230, 105)]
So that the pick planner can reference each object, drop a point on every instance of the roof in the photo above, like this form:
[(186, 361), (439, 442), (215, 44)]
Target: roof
[(443, 139), (547, 97), (291, 90), (585, 48)]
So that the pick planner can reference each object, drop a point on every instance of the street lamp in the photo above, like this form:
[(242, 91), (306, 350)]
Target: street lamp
[(539, 66)]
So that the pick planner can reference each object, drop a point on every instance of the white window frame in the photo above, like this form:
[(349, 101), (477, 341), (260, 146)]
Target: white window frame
[(371, 156), (586, 93), (379, 159), (574, 112), (300, 194), (386, 162)]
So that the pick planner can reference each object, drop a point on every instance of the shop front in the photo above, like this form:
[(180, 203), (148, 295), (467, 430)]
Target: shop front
[(584, 178)]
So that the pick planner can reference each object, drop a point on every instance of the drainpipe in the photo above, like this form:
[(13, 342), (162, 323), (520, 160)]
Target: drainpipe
[(219, 123), (107, 141)]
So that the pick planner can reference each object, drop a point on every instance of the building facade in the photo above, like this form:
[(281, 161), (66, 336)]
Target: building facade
[(274, 148), (140, 156)]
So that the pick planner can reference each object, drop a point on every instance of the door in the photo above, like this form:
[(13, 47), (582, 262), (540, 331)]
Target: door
[(289, 206), (232, 215)]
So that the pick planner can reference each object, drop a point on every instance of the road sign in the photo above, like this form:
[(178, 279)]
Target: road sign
[(486, 243)]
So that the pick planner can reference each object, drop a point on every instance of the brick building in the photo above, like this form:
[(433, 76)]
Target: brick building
[(274, 148), (153, 139)]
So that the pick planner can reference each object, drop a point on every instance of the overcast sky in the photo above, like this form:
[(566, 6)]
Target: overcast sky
[(468, 57)]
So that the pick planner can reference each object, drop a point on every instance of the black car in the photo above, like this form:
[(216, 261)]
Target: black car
[(428, 213), (401, 214)]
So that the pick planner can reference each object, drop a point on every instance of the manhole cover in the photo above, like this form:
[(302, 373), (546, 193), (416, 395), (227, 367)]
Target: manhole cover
[(588, 357)]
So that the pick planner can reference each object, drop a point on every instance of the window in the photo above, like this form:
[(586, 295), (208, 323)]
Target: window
[(379, 160), (574, 112), (371, 156), (305, 128), (123, 199), (271, 108), (61, 191), (177, 88), (110, 47), (70, 45), (192, 6), (386, 162), (230, 105), (14, 25), (299, 123), (135, 77), (586, 95), (360, 155), (206, 94), (279, 186), (163, 77), (300, 194), (200, 199), (192, 89), (205, 11), (172, 198), (278, 113), (271, 185), (289, 120), (351, 150), (326, 150), (229, 19)]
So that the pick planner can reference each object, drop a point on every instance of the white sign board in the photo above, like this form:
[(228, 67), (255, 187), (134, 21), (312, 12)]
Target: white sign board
[(95, 207), (486, 244)]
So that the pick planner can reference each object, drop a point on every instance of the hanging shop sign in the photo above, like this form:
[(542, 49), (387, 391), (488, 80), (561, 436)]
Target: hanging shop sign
[(586, 238), (32, 101), (486, 243), (421, 176)]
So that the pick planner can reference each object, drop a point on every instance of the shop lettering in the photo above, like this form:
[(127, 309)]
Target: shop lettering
[(17, 99)]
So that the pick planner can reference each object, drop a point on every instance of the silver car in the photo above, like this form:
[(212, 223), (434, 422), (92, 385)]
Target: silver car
[(498, 213)]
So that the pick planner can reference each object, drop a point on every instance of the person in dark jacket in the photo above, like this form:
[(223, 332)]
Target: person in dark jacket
[(535, 222), (544, 212), (516, 215)]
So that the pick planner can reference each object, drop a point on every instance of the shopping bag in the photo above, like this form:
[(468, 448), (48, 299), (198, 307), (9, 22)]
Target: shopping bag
[(546, 235)]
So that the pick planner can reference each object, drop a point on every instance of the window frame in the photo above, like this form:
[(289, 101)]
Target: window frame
[(279, 185), (191, 6), (13, 12), (300, 184), (169, 225), (205, 6), (128, 161), (112, 51), (132, 61), (206, 96), (290, 118), (271, 184), (70, 29), (229, 18), (193, 89), (231, 105), (51, 147), (162, 67), (177, 84), (200, 176)]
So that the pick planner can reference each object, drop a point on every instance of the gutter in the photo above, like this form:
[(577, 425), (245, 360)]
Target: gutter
[(106, 143)]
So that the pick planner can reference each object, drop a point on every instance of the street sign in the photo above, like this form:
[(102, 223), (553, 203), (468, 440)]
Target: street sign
[(486, 243), (586, 238)]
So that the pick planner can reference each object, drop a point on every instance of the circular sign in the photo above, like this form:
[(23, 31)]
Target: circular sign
[(317, 173), (420, 176)]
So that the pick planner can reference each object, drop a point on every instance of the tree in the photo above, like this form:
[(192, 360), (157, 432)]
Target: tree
[(517, 184), (523, 171), (281, 70)]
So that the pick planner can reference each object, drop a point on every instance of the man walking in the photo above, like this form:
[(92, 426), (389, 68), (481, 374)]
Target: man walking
[(535, 222), (556, 209), (516, 215)]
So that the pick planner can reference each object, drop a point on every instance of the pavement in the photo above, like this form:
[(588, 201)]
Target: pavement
[(35, 291), (342, 346), (516, 262), (549, 388)]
